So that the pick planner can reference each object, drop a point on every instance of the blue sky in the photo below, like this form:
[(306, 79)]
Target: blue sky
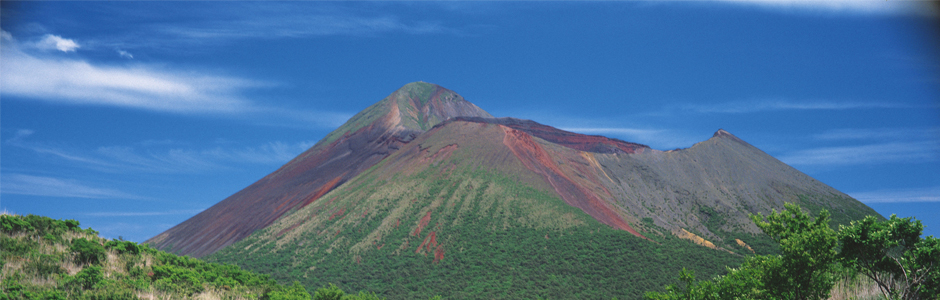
[(133, 116)]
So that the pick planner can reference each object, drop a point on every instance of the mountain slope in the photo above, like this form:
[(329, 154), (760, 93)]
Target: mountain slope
[(367, 138), (457, 213), (423, 193), (710, 188), (478, 202)]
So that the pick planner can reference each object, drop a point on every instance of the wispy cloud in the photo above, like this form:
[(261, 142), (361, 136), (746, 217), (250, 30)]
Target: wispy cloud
[(930, 194), (143, 213), (851, 6), (784, 105), (145, 87), (904, 152), (157, 157), (881, 145), (295, 25), (879, 134), (125, 54), (252, 20), (22, 184)]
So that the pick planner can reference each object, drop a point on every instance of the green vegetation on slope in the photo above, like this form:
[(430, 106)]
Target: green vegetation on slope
[(43, 258), (888, 254), (484, 235)]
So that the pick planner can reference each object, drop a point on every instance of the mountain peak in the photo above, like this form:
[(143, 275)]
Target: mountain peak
[(422, 105), (419, 89), (413, 108), (721, 133)]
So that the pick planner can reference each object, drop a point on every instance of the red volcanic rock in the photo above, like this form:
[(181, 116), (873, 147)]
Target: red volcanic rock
[(428, 244), (537, 160), (577, 141), (423, 222)]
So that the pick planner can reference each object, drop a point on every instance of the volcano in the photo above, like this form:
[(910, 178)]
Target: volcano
[(425, 193)]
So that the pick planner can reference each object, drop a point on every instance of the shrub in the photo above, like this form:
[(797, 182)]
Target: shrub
[(88, 277), (295, 292), (14, 247), (123, 247), (12, 224), (330, 292), (87, 251)]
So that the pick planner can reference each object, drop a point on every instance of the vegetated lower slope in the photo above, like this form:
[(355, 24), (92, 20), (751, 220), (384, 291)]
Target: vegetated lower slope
[(456, 213), (367, 138), (43, 258)]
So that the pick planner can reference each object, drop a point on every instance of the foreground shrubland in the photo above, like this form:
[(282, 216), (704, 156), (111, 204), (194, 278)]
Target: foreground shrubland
[(43, 258), (868, 259)]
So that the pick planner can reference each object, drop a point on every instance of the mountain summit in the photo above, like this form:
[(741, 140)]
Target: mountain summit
[(424, 185)]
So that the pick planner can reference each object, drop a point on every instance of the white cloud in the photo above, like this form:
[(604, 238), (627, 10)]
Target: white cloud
[(78, 82), (54, 187), (146, 87), (930, 194), (904, 152), (856, 6), (142, 87), (783, 105), (50, 42), (125, 54)]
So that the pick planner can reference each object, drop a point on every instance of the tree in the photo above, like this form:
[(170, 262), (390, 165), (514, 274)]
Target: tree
[(87, 251), (894, 256), (807, 254), (295, 292), (329, 292)]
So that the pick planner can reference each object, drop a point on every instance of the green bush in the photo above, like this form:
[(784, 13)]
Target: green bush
[(86, 251), (88, 277), (15, 247), (329, 292), (295, 292), (110, 293), (123, 247), (11, 224), (185, 280)]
